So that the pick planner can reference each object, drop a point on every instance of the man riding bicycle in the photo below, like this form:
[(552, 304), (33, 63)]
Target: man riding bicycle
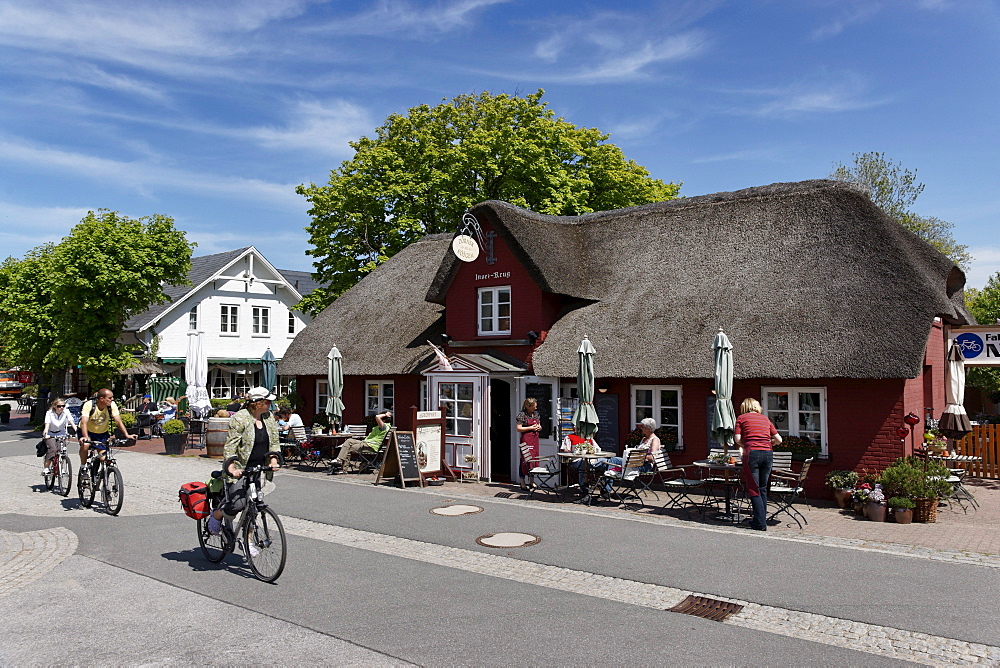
[(95, 425), (252, 441)]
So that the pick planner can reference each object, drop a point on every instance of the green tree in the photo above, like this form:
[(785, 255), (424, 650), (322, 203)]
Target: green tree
[(66, 304), (984, 305), (421, 172), (894, 189)]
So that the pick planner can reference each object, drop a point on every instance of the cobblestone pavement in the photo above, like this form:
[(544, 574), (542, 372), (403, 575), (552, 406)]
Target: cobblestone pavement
[(160, 476), (26, 557)]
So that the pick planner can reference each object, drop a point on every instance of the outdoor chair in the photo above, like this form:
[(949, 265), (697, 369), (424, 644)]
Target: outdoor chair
[(145, 423), (543, 472), (628, 479), (355, 430), (368, 459), (676, 482), (781, 462), (197, 433), (785, 490)]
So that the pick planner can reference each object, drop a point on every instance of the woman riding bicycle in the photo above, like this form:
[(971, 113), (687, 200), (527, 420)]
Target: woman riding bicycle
[(57, 421), (253, 437)]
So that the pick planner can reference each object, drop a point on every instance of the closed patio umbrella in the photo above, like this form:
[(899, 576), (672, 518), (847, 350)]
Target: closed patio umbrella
[(723, 417), (954, 421), (196, 373), (585, 416), (335, 382), (269, 370)]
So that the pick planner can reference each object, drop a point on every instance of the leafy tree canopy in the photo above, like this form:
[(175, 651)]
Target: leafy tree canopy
[(895, 189), (421, 172), (984, 305), (66, 304)]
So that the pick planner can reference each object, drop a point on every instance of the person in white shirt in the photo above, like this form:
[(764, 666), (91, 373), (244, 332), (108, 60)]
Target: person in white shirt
[(58, 420)]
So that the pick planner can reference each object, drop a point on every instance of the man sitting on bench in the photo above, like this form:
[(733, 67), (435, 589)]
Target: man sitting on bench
[(373, 440)]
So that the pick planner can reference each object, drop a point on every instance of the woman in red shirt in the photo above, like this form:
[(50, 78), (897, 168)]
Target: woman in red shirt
[(755, 433)]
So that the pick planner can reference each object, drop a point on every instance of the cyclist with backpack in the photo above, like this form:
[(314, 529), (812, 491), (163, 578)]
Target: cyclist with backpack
[(95, 424)]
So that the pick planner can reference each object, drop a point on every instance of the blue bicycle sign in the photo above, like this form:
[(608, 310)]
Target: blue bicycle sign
[(970, 344)]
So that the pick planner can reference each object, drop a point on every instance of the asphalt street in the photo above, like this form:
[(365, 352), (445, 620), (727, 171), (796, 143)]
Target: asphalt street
[(373, 577)]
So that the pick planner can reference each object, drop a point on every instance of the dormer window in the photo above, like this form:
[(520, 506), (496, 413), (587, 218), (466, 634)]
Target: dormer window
[(494, 311)]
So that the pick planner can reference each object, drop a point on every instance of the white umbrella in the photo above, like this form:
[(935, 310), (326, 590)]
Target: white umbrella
[(196, 373), (954, 421)]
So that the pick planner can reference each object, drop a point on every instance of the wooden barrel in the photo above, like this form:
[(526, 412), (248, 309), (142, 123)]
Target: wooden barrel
[(215, 437)]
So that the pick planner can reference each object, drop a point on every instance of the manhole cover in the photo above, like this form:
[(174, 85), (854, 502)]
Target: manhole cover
[(508, 539), (456, 510), (708, 608)]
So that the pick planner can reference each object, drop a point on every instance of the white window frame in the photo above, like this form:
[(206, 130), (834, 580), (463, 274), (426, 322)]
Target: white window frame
[(223, 389), (322, 395), (793, 411), (657, 408), (193, 319), (291, 323), (229, 316), (494, 317), (260, 321), (383, 402), (453, 416)]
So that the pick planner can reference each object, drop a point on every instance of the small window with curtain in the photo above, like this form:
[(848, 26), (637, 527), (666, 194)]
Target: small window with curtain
[(261, 320), (229, 318)]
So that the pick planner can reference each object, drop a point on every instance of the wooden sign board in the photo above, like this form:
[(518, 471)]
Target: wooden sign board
[(429, 430), (400, 460)]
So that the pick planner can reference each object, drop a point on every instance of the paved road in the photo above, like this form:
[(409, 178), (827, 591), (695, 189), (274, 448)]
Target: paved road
[(375, 577)]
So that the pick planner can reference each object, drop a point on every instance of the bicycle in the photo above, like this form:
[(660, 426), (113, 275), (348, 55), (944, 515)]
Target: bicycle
[(101, 471), (259, 530), (60, 471)]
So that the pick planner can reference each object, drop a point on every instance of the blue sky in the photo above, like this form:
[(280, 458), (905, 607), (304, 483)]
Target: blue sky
[(212, 112)]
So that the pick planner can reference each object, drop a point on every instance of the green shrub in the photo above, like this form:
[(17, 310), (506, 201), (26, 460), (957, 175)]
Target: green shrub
[(30, 390), (914, 478), (4, 408), (174, 426), (129, 419), (220, 403), (901, 503), (841, 479)]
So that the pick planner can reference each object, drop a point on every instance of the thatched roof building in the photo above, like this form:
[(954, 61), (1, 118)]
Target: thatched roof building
[(809, 280)]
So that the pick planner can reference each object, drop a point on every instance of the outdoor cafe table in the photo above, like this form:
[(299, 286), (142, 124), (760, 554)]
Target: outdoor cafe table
[(588, 459), (731, 478), (330, 442)]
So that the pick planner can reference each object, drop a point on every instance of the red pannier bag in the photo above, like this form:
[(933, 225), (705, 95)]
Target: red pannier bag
[(194, 500)]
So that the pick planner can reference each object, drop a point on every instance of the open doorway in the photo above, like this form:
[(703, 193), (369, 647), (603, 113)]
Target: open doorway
[(500, 429)]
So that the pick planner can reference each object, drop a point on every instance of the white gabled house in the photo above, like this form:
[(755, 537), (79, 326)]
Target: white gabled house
[(242, 303)]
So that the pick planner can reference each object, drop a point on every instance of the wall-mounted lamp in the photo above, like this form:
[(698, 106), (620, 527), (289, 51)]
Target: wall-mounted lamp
[(602, 389), (445, 339), (532, 337)]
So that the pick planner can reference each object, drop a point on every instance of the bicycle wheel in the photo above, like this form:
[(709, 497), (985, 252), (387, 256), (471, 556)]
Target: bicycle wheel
[(113, 490), (85, 487), (215, 548), (65, 475), (264, 534), (50, 477)]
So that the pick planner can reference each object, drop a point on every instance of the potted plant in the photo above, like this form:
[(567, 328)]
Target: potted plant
[(921, 481), (859, 497), (842, 483), (4, 413), (129, 420), (876, 504), (902, 509), (174, 437), (801, 448)]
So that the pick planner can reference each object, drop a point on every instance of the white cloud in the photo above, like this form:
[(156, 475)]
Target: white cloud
[(316, 126), (25, 227), (747, 155), (985, 263), (826, 94), (852, 15), (409, 19), (145, 177)]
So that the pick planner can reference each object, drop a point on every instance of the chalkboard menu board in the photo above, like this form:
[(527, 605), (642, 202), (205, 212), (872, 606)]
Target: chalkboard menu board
[(542, 393), (400, 460), (606, 406)]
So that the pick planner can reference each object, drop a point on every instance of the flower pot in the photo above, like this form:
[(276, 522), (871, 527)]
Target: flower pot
[(903, 515), (174, 443), (859, 508), (5, 417), (842, 497), (876, 511)]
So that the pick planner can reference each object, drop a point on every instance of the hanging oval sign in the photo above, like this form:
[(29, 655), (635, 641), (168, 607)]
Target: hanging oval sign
[(465, 248)]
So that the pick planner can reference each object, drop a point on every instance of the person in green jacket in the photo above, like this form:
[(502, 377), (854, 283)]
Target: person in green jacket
[(252, 441), (373, 440)]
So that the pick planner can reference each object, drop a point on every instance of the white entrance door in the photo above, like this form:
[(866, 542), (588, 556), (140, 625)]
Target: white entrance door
[(465, 398), (545, 391)]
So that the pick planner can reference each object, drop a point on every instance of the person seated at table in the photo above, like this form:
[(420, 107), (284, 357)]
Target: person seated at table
[(169, 409), (757, 435), (146, 407), (649, 442), (235, 405), (372, 440), (287, 420)]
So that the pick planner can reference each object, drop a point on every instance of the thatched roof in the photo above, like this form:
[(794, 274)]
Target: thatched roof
[(382, 324), (809, 280)]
